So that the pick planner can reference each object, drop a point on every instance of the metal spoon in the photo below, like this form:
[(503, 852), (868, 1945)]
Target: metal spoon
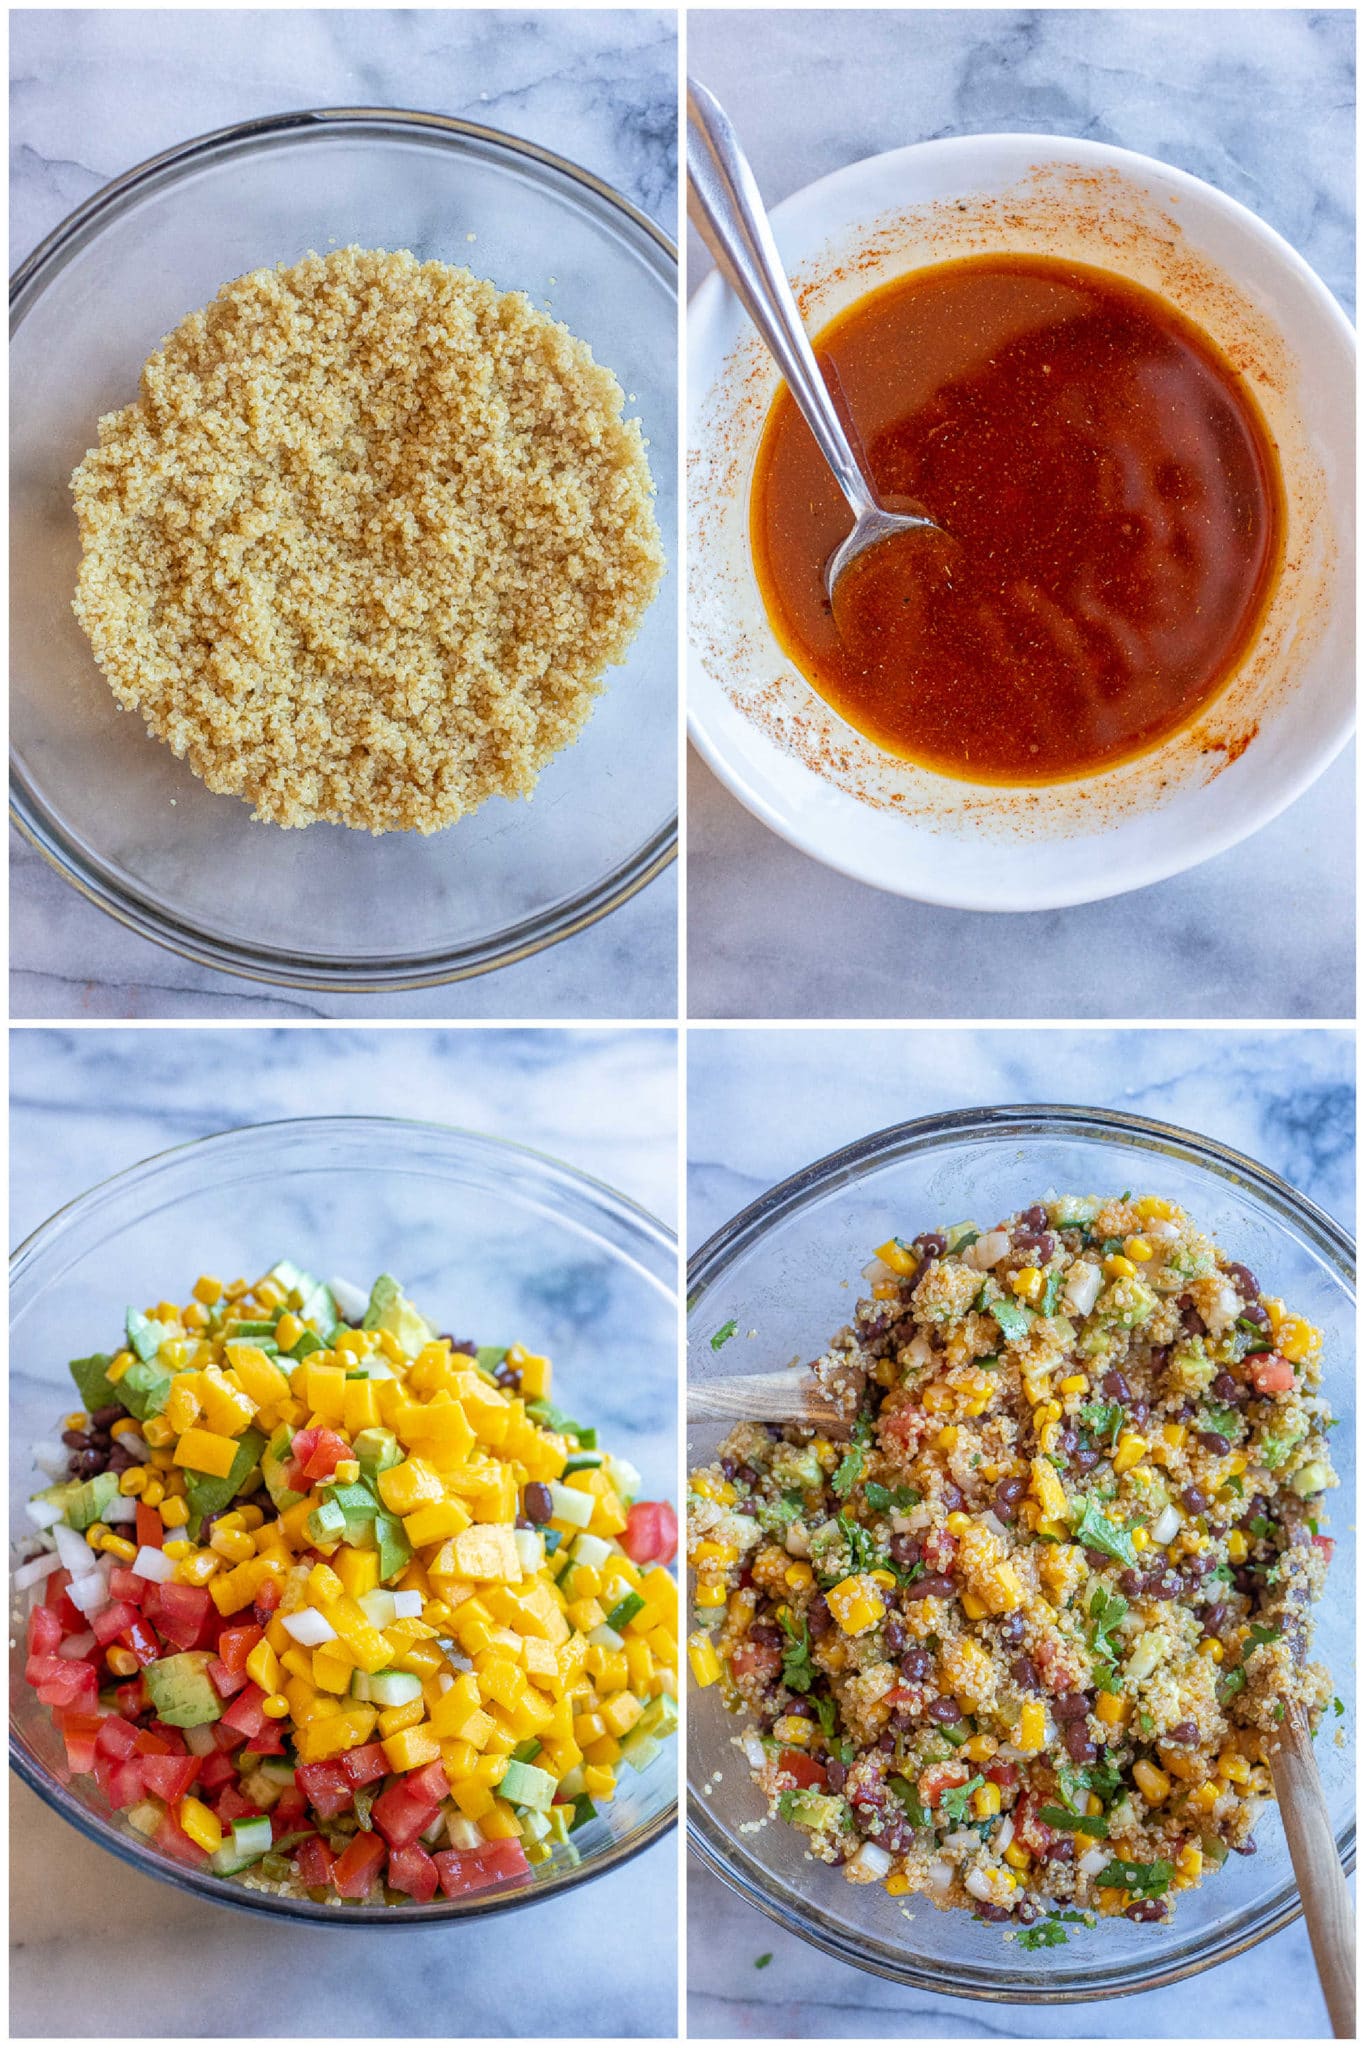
[(726, 208)]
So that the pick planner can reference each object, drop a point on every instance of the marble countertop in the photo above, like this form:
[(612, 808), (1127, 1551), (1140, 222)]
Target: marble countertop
[(86, 1104), (762, 1104), (1221, 93), (94, 92)]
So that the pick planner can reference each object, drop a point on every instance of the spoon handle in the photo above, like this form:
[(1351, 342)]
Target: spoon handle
[(727, 210)]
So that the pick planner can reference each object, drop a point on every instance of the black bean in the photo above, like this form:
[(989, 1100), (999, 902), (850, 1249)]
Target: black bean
[(1012, 1629), (1194, 1500), (465, 1345), (894, 1635), (1246, 1848), (905, 1550), (1139, 1413), (1096, 1559), (1079, 1747), (818, 1615), (1162, 1585), (933, 1586), (944, 1710), (121, 1460), (952, 1496), (1145, 1909), (1068, 1442), (105, 1418), (1116, 1386), (1226, 1388), (915, 1665), (1011, 1491), (1184, 1731), (1034, 1218), (524, 1522), (1130, 1583), (1086, 1460), (931, 1245), (1252, 1312), (1026, 1913), (538, 1501), (1215, 1618), (1063, 1850), (1213, 1440), (766, 1633), (835, 1774), (73, 1464), (1245, 1281), (100, 1440), (728, 1467), (801, 1709), (886, 1742), (75, 1439), (91, 1463), (1192, 1322), (986, 1911), (747, 1476), (1070, 1706), (1197, 1568), (1024, 1672)]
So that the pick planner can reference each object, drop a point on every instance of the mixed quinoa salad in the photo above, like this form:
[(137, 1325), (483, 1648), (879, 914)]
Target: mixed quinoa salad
[(328, 1601), (1019, 1643)]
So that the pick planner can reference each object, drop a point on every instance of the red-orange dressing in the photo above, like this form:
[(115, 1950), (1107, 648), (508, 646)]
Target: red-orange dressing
[(1111, 488)]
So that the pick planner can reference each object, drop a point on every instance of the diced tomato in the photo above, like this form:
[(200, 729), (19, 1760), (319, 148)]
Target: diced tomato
[(268, 1742), (234, 1805), (651, 1533), (132, 1698), (72, 1683), (1003, 1775), (1326, 1544), (160, 1739), (225, 1682), (326, 1787), (266, 1601), (1035, 1834), (171, 1838), (151, 1530), (472, 1870), (313, 1860), (411, 1870), (184, 1614), (216, 1770), (1274, 1375), (170, 1777), (246, 1711), (364, 1764), (287, 1814), (236, 1644), (357, 1867), (63, 1606), (141, 1640), (226, 1737), (111, 1621), (400, 1814), (44, 1632), (803, 1768), (117, 1737), (430, 1783), (760, 1660), (127, 1585), (120, 1779), (78, 1732), (936, 1779)]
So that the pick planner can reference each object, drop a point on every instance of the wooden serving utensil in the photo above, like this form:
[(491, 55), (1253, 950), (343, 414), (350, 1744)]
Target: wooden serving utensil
[(1313, 1851), (790, 1396)]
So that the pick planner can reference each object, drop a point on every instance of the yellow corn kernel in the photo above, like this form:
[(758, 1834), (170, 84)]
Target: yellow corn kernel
[(701, 1655), (1237, 1464), (885, 1579), (1237, 1546), (1075, 1383), (791, 1729), (177, 1548), (1132, 1449), (154, 1491), (1111, 1708), (1190, 1864), (95, 1533), (119, 1547), (1212, 1649), (275, 1705), (948, 1436), (1017, 1856), (233, 1544), (1155, 1209), (157, 1432), (123, 1663), (1048, 1435), (981, 1748), (1032, 1727), (199, 1569), (133, 1480), (897, 1885), (1027, 1283), (958, 1525), (1137, 1249), (986, 1801), (710, 1593), (1117, 1267), (799, 1576), (898, 1257), (1153, 1784), (1234, 1768), (936, 1398), (175, 1512), (1047, 1489), (126, 1425), (856, 1604)]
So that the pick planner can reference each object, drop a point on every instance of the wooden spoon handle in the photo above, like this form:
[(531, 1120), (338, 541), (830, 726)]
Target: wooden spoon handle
[(764, 1397), (1322, 1882)]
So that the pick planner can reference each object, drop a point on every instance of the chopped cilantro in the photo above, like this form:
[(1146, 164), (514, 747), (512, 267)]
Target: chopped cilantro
[(1012, 1317), (1102, 1421), (762, 1962), (953, 1803), (1261, 1635), (1145, 1721), (916, 1811), (724, 1334), (1077, 1823), (1093, 1529), (1260, 1527), (797, 1670), (1107, 1611), (1230, 1683), (1148, 1880), (1045, 1934), (861, 1544), (1338, 1706), (849, 1472)]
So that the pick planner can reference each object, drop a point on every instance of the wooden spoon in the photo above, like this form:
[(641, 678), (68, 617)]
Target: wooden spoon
[(790, 1396)]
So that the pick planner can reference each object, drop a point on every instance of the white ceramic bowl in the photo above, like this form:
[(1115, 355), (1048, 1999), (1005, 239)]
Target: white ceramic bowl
[(1285, 712)]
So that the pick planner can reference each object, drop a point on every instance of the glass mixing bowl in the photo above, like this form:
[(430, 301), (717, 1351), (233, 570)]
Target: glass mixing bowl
[(788, 1267), (111, 807), (483, 1234)]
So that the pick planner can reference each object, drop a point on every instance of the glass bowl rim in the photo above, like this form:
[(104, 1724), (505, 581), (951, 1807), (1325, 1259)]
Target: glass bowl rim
[(435, 967), (221, 1891), (846, 1165)]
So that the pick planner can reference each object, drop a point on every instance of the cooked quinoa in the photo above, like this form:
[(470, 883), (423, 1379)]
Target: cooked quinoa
[(366, 541), (1019, 1643)]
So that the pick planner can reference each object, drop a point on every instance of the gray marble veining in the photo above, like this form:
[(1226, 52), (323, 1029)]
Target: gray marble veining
[(1226, 94), (90, 1939), (762, 1104), (97, 91)]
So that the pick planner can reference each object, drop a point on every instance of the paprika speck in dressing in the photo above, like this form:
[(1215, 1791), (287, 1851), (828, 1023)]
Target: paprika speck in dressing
[(1112, 496)]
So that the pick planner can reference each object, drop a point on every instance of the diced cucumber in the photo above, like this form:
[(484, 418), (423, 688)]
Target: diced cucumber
[(226, 1861), (534, 1826), (251, 1836), (574, 1784), (569, 1505), (625, 1610), (462, 1833), (591, 1551), (624, 1477), (360, 1685), (583, 1461), (604, 1637), (530, 1549), (660, 1717), (394, 1688), (527, 1785), (639, 1750)]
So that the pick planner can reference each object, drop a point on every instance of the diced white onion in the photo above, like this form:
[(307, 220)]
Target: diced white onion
[(1163, 1232), (151, 1563), (1093, 1862), (1166, 1527), (798, 1540), (604, 1638), (89, 1593), (36, 1570), (43, 1514), (444, 1681), (199, 1741), (1082, 1288), (1003, 1835), (876, 1270), (462, 1833), (988, 1250), (135, 1445), (979, 1884), (53, 1459), (407, 1606), (993, 1522), (308, 1627), (753, 1752), (74, 1551), (122, 1508), (871, 1863), (378, 1606), (940, 1874), (962, 1842), (530, 1549), (77, 1646), (350, 1299)]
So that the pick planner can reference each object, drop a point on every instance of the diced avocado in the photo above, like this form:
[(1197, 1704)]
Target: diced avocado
[(294, 1282), (527, 1785), (558, 1817), (797, 1465), (305, 1347), (359, 1508), (624, 1477), (143, 1388), (326, 1523), (90, 1499), (639, 1750), (376, 1450), (181, 1690), (209, 1496), (145, 1337), (395, 1551), (814, 1810), (660, 1717), (276, 1456), (58, 1496), (1314, 1477), (489, 1357), (96, 1389), (391, 1310)]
